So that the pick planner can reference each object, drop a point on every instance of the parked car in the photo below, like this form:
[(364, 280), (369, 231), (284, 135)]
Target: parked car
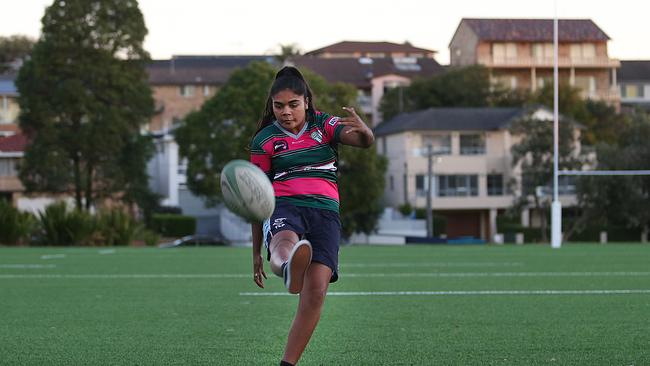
[(195, 241)]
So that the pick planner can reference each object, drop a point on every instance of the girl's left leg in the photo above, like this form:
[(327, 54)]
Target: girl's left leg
[(311, 302)]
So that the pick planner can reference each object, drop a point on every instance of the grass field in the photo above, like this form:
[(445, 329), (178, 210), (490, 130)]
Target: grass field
[(414, 305)]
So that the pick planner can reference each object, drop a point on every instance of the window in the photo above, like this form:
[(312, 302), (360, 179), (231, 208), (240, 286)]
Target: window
[(542, 81), (506, 81), (440, 144), (457, 185), (586, 83), (495, 185), (472, 144), (422, 185), (582, 50), (388, 85), (384, 148), (206, 90), (632, 91), (8, 168), (186, 91), (542, 51), (504, 51), (391, 183)]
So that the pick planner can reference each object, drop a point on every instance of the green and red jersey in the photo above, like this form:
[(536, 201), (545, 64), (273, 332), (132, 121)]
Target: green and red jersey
[(301, 166)]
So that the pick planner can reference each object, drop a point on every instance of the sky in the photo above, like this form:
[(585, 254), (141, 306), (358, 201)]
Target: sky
[(253, 27)]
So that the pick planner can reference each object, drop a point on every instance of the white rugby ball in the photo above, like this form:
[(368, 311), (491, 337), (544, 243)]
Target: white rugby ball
[(247, 191)]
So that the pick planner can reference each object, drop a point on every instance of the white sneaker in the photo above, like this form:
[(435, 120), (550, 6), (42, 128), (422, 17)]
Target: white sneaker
[(293, 271)]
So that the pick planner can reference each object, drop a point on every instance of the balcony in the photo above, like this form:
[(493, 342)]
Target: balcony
[(563, 62)]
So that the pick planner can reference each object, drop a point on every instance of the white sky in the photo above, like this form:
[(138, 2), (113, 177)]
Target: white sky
[(222, 27)]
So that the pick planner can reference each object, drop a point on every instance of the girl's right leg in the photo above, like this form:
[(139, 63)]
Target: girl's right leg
[(290, 259), (281, 245)]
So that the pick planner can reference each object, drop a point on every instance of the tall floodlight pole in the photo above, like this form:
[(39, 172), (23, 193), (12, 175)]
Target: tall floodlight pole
[(556, 206), (429, 191)]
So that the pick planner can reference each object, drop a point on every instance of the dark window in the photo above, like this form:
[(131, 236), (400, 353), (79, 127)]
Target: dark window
[(420, 189), (495, 185), (472, 144), (457, 185)]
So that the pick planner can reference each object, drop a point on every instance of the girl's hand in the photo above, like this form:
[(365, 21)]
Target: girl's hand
[(355, 132), (258, 271)]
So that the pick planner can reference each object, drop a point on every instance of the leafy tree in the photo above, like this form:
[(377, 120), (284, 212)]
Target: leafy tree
[(618, 201), (533, 155), (602, 124), (288, 51), (13, 50), (459, 87), (83, 97), (221, 131)]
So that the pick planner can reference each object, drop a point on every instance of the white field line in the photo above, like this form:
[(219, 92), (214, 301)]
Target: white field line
[(432, 264), (53, 256), (106, 251), (26, 266), (465, 293), (358, 275)]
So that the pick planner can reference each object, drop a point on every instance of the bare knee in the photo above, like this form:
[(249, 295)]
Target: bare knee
[(313, 297)]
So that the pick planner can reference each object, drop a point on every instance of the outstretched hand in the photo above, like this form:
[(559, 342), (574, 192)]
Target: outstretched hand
[(356, 132)]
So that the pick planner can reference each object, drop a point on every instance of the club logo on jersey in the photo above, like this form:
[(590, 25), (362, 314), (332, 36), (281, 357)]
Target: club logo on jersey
[(280, 145), (333, 121), (317, 135)]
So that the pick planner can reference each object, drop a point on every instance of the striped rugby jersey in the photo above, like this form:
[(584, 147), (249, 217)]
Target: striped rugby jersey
[(301, 166)]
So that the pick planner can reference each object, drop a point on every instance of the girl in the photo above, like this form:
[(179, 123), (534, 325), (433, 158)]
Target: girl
[(296, 146)]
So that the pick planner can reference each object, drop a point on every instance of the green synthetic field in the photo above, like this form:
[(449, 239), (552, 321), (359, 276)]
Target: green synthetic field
[(414, 305)]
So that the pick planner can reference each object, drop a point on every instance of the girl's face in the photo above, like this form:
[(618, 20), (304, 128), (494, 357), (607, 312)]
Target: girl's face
[(290, 110)]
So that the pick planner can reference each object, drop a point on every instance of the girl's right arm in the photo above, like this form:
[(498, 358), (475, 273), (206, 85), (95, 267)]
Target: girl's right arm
[(258, 261)]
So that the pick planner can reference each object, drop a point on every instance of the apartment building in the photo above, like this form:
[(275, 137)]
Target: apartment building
[(12, 143), (634, 79), (371, 77), (519, 54), (182, 84), (372, 67), (472, 164)]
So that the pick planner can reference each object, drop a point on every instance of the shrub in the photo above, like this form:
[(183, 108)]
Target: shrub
[(116, 227), (405, 209), (15, 226), (174, 226), (439, 221), (150, 238), (63, 226)]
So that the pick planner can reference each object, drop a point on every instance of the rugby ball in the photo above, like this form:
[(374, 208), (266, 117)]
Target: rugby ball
[(247, 191)]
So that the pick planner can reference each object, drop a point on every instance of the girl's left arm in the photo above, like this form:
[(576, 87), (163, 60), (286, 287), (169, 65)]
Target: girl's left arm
[(356, 132)]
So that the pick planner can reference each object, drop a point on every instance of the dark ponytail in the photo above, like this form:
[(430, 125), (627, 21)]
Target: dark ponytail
[(288, 78)]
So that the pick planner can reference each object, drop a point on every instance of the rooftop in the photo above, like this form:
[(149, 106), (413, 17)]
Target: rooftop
[(535, 30)]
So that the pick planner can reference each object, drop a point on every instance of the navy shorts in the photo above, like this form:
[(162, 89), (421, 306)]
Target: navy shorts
[(320, 226)]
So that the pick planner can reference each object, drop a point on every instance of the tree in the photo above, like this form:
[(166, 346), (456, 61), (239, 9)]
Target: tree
[(288, 51), (459, 87), (618, 201), (83, 97), (231, 118), (533, 155), (601, 122), (13, 51)]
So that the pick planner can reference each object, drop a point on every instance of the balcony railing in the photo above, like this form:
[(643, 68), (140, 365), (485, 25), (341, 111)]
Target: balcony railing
[(528, 61)]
